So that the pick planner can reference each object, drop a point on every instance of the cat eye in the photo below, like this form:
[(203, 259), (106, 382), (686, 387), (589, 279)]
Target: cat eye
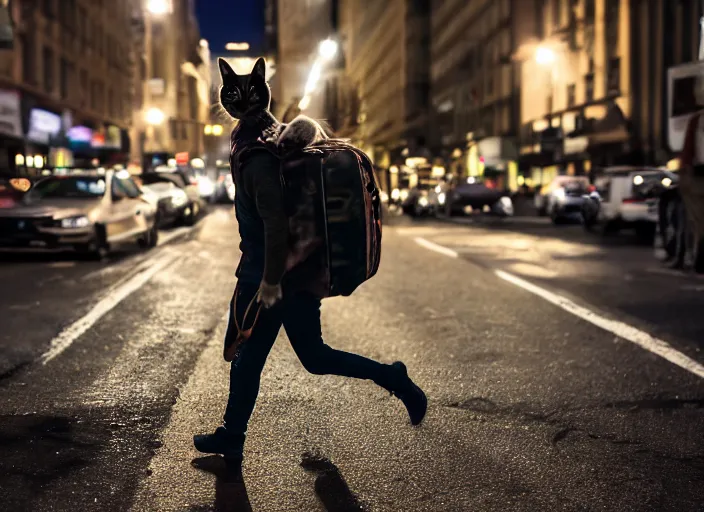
[(232, 95)]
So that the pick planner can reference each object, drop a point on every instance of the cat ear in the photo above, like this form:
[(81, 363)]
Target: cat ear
[(226, 71), (260, 68)]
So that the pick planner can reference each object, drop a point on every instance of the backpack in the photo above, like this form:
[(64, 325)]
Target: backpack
[(334, 207)]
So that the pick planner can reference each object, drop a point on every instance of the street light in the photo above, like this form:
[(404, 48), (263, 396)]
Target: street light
[(158, 6), (154, 116), (213, 129), (544, 56), (327, 49)]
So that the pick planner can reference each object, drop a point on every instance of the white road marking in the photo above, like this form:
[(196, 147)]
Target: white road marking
[(435, 247), (620, 329), (71, 333), (165, 238)]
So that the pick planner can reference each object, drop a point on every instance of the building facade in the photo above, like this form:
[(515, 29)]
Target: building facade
[(476, 85), (387, 60), (169, 115), (595, 83), (65, 86), (301, 26)]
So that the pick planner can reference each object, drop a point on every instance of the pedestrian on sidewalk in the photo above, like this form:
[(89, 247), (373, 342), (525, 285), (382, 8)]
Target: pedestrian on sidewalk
[(264, 232)]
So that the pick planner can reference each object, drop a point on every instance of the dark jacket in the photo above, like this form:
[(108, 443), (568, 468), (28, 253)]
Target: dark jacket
[(262, 219)]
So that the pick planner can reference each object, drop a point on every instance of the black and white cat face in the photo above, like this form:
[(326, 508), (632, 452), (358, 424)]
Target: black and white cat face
[(244, 95)]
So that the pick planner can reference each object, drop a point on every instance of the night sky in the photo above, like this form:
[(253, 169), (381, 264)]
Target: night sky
[(224, 21)]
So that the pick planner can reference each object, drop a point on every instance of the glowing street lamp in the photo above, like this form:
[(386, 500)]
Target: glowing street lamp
[(154, 116), (304, 103), (544, 56), (327, 49), (313, 78), (158, 6)]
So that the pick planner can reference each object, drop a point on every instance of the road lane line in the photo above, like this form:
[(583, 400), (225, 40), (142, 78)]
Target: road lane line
[(166, 237), (620, 329), (435, 247), (71, 333)]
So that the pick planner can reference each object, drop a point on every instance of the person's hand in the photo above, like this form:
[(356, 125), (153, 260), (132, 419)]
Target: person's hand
[(269, 294)]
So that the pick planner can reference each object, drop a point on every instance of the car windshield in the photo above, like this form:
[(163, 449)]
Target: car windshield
[(73, 187)]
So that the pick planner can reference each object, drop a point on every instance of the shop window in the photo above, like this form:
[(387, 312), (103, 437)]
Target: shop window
[(589, 87), (571, 95), (613, 76)]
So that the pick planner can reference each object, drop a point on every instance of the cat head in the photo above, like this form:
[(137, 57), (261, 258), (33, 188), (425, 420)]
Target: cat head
[(244, 95)]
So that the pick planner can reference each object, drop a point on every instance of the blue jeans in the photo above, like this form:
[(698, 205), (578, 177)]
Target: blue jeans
[(299, 313)]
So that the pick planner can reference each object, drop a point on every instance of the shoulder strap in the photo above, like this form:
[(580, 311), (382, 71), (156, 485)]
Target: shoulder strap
[(689, 150)]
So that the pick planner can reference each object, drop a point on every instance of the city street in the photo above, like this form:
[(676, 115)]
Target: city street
[(565, 372)]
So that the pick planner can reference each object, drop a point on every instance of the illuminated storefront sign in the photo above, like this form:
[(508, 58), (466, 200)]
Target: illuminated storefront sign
[(80, 137), (43, 125)]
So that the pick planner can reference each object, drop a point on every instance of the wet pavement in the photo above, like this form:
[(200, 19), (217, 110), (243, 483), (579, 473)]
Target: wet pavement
[(109, 368)]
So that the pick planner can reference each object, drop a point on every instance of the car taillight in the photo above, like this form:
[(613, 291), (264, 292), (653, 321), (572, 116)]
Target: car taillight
[(633, 200)]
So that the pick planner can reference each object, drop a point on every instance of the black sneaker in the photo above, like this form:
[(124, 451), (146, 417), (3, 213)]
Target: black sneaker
[(409, 393), (227, 444)]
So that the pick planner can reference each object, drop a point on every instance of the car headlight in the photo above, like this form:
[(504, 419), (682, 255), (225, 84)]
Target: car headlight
[(559, 193), (395, 194), (384, 197), (423, 201), (404, 195), (441, 198), (75, 222), (179, 198), (506, 202)]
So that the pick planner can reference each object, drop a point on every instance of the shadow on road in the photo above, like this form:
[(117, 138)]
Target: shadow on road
[(40, 451), (230, 490), (331, 488)]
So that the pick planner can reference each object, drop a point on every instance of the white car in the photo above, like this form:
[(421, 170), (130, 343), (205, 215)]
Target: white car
[(627, 197), (87, 212), (562, 197)]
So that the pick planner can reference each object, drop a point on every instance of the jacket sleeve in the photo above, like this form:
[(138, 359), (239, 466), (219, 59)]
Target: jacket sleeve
[(262, 180)]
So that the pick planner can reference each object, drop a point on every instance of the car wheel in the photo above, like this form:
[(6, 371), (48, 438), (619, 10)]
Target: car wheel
[(190, 217), (98, 248), (150, 238)]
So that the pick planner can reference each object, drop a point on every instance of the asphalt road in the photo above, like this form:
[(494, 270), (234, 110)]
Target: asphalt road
[(547, 390)]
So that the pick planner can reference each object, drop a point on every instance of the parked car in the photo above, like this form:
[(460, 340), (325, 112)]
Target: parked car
[(225, 187), (172, 201), (627, 198), (90, 213), (466, 195), (562, 197), (184, 179)]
